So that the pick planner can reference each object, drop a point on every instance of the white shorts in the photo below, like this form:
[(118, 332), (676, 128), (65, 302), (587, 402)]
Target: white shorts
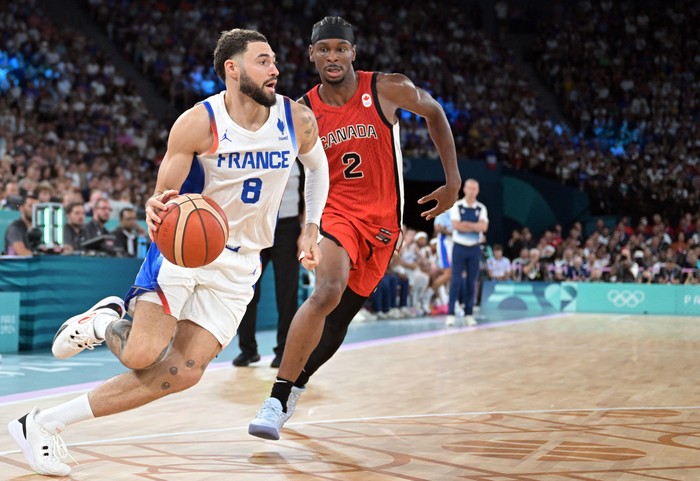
[(214, 297)]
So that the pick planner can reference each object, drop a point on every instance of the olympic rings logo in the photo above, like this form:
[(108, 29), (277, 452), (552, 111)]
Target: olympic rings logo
[(625, 298)]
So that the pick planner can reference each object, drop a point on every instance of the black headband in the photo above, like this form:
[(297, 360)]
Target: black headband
[(333, 30)]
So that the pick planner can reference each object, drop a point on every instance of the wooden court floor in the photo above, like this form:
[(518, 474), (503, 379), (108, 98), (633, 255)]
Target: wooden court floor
[(566, 398)]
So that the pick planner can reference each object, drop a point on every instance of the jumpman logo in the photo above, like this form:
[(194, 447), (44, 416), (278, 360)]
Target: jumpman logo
[(225, 137)]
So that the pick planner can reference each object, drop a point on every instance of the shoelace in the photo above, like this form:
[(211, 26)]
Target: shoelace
[(270, 411), (84, 341), (57, 447)]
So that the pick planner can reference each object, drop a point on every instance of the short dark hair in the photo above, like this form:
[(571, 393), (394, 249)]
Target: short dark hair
[(497, 247), (124, 211), (73, 205), (28, 195), (232, 43)]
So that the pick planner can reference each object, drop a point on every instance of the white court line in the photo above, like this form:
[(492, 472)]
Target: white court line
[(375, 418)]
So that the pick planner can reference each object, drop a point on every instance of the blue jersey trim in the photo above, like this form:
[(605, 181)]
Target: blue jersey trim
[(194, 183), (210, 110), (290, 123)]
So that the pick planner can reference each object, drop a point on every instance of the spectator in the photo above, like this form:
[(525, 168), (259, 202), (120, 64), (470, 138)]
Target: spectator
[(439, 275), (519, 263), (680, 246), (384, 298), (126, 235), (402, 286), (498, 266), (95, 229), (442, 228), (534, 270), (411, 265), (625, 269), (10, 197), (45, 192), (579, 271), (514, 245), (563, 265), (691, 267), (669, 272), (73, 233), (17, 238)]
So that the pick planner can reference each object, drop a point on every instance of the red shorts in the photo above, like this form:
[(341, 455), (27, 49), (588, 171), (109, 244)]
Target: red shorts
[(370, 249)]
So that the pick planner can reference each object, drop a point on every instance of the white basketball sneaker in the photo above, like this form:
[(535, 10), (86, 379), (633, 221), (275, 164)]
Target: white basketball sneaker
[(450, 320), (469, 319), (78, 333), (292, 401), (269, 420), (42, 447)]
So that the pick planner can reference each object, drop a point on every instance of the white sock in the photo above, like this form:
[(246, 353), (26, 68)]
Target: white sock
[(102, 321), (70, 412)]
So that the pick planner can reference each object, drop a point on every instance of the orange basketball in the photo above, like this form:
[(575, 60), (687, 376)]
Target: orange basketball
[(193, 230)]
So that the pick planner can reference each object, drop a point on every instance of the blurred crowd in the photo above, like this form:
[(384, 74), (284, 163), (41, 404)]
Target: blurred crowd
[(172, 46), (73, 130), (77, 235), (69, 122), (651, 252), (627, 76)]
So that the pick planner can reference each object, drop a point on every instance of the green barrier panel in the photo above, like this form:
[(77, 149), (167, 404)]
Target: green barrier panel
[(626, 298), (534, 297), (54, 288), (9, 322), (688, 300), (601, 298)]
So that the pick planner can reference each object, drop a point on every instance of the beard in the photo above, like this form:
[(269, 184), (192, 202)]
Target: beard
[(256, 93)]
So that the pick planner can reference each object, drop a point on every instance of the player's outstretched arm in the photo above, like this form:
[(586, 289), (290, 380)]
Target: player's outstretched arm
[(396, 91), (313, 157), (189, 135)]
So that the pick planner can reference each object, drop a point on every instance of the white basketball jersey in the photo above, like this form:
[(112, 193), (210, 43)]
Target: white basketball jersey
[(245, 172)]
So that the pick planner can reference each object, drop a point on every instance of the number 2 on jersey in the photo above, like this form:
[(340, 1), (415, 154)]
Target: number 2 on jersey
[(251, 190), (351, 171)]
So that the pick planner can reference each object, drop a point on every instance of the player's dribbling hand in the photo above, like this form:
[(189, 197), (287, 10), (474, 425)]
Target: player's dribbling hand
[(154, 205), (445, 199)]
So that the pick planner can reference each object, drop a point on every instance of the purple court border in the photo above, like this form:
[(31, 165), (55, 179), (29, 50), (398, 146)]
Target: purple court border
[(74, 388)]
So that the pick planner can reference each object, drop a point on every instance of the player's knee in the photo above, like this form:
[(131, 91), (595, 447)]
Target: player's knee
[(178, 379), (142, 357), (326, 296)]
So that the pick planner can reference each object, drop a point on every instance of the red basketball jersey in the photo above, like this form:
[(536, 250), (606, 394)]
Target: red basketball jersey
[(364, 158)]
